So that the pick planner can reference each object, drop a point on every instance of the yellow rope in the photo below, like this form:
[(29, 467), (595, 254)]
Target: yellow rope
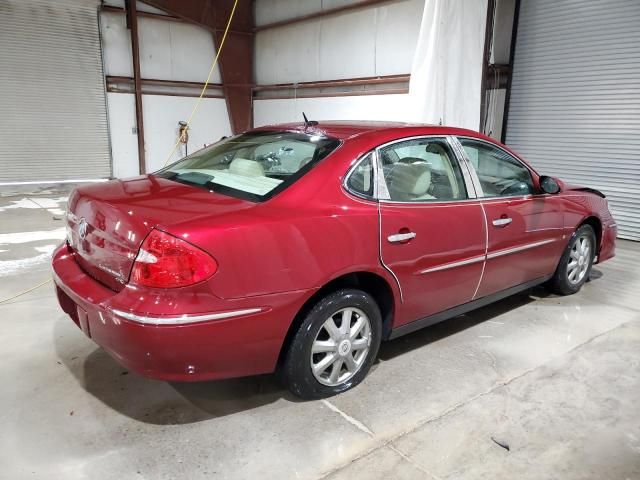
[(25, 292), (206, 84)]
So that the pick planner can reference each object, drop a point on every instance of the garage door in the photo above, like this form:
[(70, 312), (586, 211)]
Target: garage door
[(53, 121), (575, 102)]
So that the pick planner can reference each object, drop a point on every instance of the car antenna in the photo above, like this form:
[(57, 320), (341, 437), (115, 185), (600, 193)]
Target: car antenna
[(307, 122)]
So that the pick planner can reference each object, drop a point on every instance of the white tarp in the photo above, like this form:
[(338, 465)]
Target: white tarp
[(447, 66)]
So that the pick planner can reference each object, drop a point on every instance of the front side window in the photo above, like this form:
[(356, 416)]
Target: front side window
[(423, 169), (253, 166), (499, 173)]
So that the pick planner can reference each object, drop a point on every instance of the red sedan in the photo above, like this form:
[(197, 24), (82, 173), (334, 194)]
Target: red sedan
[(299, 248)]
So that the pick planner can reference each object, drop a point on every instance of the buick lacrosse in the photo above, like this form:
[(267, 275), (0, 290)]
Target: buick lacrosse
[(299, 248)]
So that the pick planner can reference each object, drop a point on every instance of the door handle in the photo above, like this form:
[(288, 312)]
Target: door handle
[(401, 237), (502, 222)]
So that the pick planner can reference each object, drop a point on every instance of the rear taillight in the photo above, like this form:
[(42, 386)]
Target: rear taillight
[(165, 261)]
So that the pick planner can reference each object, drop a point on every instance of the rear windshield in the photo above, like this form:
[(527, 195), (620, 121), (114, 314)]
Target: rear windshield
[(252, 166)]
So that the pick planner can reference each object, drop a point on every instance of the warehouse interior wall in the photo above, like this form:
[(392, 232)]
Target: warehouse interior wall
[(373, 107), (372, 41), (169, 50), (437, 44)]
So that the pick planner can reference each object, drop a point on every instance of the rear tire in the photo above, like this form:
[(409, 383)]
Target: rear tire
[(575, 264), (335, 345)]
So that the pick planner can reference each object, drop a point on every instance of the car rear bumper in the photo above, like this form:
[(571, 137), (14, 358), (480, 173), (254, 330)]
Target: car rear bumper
[(231, 338)]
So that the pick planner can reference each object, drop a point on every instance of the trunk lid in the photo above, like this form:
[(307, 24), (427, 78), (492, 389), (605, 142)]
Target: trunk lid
[(107, 222)]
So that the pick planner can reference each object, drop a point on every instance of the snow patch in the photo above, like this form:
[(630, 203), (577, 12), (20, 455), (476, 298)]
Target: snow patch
[(46, 248), (26, 237), (52, 205), (37, 202), (11, 267)]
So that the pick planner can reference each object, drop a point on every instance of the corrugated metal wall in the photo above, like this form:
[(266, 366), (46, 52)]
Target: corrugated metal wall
[(53, 120), (575, 100)]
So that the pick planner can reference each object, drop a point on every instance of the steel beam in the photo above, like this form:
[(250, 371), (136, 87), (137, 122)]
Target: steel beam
[(323, 13), (132, 25), (236, 57), (486, 58), (512, 52), (497, 76)]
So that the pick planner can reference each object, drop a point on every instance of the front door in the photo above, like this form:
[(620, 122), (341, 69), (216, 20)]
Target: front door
[(432, 231), (525, 229)]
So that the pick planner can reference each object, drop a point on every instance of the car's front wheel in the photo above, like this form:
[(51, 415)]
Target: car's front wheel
[(575, 264), (335, 345)]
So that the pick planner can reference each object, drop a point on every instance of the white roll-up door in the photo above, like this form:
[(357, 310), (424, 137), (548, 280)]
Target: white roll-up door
[(575, 99), (53, 119)]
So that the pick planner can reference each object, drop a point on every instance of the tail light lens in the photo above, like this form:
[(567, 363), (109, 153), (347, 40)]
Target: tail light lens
[(165, 261)]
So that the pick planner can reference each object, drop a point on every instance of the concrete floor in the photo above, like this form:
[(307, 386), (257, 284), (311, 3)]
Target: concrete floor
[(556, 379)]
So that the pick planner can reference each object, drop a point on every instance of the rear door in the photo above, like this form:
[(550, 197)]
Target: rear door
[(432, 229), (525, 228)]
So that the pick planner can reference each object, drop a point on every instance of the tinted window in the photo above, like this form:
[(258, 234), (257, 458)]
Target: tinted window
[(421, 170), (253, 166), (360, 180), (500, 174)]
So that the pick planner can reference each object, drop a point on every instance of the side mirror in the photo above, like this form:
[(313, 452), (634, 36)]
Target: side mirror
[(549, 185)]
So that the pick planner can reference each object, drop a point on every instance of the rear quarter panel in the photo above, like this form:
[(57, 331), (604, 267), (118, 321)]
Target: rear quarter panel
[(301, 239)]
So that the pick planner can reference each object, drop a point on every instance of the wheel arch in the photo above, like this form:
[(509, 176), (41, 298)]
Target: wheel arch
[(372, 283), (595, 223)]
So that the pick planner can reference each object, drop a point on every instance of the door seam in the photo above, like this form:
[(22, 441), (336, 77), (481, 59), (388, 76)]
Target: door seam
[(384, 265), (486, 248)]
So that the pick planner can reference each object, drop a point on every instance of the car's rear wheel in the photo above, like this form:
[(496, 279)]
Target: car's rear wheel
[(575, 264), (335, 345)]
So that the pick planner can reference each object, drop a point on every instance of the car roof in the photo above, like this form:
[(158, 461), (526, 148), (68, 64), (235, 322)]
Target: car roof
[(348, 129)]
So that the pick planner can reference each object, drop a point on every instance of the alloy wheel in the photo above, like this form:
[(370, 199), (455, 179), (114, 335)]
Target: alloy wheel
[(341, 346), (579, 259)]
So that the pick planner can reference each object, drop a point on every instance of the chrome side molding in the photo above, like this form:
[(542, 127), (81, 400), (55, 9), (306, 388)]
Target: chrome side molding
[(460, 263), (488, 256), (520, 248)]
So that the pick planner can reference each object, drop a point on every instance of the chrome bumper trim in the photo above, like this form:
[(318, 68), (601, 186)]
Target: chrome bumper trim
[(183, 319)]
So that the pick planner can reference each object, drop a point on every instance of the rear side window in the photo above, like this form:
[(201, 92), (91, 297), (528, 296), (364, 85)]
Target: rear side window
[(360, 179), (421, 170), (252, 166)]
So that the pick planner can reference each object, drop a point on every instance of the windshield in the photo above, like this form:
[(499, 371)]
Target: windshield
[(253, 166)]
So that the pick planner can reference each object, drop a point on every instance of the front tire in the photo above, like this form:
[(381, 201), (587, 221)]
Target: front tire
[(335, 345), (575, 264)]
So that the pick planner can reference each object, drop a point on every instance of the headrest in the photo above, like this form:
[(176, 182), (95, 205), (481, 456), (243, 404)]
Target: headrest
[(409, 181), (246, 167), (411, 160), (436, 148)]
